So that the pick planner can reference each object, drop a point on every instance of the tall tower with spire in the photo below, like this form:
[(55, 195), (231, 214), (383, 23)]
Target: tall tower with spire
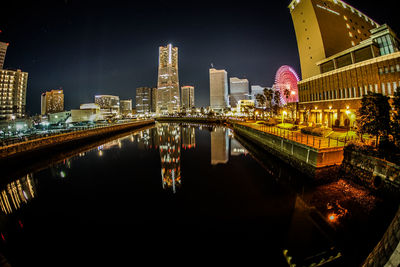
[(168, 99)]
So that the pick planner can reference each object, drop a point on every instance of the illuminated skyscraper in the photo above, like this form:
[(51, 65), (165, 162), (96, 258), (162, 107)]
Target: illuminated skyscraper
[(13, 85), (218, 89), (3, 50), (187, 96), (52, 102), (144, 98), (168, 100), (239, 90)]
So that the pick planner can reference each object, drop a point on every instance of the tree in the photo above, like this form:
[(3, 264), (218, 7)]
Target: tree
[(374, 116), (395, 122), (268, 93), (277, 101), (261, 100), (286, 92)]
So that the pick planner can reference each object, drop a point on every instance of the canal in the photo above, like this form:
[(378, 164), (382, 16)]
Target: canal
[(183, 194)]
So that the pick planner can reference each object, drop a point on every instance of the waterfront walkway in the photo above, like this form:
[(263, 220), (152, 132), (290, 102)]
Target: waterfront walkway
[(305, 139)]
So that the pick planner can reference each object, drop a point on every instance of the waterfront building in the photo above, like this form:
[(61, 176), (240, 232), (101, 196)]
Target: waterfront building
[(52, 102), (125, 106), (144, 100), (187, 93), (3, 51), (58, 117), (245, 105), (218, 89), (109, 105), (239, 90), (168, 100), (343, 54), (13, 84), (219, 146)]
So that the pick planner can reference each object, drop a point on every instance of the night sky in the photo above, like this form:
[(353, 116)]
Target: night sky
[(95, 47)]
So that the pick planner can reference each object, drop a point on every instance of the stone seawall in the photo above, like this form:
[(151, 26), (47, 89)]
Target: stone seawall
[(190, 119), (377, 174), (315, 163), (66, 138)]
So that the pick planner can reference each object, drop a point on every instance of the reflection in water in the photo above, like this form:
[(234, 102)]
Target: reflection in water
[(169, 138), (17, 193), (219, 146)]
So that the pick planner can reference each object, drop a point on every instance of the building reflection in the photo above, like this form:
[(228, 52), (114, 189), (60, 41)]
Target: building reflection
[(16, 193), (236, 148), (169, 143), (219, 146), (170, 139)]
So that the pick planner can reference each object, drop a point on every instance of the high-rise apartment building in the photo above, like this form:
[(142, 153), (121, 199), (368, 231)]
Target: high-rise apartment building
[(13, 84), (239, 90), (145, 100), (3, 51), (187, 97), (52, 102), (325, 28), (218, 89), (168, 100), (344, 55)]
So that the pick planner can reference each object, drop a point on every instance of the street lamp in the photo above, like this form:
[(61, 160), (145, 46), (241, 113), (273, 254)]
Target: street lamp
[(283, 115)]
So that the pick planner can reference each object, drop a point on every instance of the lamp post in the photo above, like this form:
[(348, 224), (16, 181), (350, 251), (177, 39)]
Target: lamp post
[(283, 115)]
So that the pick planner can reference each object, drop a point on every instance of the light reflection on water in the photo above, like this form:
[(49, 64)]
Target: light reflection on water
[(218, 188)]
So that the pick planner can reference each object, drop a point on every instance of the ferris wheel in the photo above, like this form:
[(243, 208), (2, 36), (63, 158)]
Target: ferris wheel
[(286, 79)]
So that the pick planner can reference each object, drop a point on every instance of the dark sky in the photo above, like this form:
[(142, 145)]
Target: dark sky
[(95, 47)]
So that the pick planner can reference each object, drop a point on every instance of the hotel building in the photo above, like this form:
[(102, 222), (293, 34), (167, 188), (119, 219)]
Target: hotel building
[(168, 100), (218, 89), (3, 50), (239, 90), (343, 55), (52, 102), (187, 93), (13, 84)]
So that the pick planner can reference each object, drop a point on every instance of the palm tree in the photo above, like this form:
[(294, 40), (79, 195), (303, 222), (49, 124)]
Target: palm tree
[(261, 100), (268, 93)]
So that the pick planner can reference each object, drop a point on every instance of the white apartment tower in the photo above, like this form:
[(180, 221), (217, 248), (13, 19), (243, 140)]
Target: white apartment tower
[(218, 89)]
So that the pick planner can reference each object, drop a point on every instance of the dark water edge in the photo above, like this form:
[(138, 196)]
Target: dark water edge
[(117, 209)]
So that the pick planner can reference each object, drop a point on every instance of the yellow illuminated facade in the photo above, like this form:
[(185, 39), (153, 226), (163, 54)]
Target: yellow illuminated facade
[(52, 102), (344, 55), (168, 99), (13, 86)]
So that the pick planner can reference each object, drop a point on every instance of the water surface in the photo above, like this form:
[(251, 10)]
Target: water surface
[(184, 194)]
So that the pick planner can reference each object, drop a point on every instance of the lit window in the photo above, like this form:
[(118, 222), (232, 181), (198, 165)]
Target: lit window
[(352, 43), (335, 1), (348, 26), (345, 18), (350, 34), (358, 30)]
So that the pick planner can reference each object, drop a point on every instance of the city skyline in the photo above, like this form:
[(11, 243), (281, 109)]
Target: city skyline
[(73, 46)]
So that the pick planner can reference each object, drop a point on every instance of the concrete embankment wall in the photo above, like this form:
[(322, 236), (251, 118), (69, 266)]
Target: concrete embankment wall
[(375, 173), (190, 119), (66, 138), (311, 161)]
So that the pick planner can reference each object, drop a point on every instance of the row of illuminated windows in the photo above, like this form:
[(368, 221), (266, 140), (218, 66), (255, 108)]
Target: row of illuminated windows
[(386, 89), (391, 69)]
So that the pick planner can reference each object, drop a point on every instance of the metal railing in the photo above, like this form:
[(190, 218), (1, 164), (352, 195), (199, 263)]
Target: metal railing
[(299, 137)]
